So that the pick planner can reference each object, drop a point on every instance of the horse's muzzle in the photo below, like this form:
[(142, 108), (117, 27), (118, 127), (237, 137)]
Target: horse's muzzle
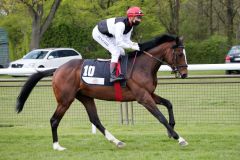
[(184, 76)]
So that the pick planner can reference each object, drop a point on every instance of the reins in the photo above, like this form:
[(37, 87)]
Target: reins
[(159, 60), (174, 68), (132, 65), (146, 54)]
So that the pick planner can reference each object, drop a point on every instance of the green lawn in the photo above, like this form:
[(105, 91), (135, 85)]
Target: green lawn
[(144, 142)]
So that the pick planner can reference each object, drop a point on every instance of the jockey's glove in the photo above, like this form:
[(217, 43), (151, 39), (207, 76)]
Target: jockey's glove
[(135, 46)]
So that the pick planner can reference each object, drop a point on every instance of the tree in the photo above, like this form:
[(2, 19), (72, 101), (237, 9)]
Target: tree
[(104, 4), (230, 8), (200, 22), (229, 20), (174, 11), (39, 23), (169, 18), (211, 17)]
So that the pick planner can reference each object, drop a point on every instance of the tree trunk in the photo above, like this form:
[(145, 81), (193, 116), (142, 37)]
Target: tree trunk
[(35, 37), (238, 34), (177, 16), (202, 29), (39, 25), (229, 24), (174, 6), (36, 26), (211, 17)]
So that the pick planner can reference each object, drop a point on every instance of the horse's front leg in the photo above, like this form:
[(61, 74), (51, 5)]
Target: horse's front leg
[(168, 105), (145, 98), (150, 105)]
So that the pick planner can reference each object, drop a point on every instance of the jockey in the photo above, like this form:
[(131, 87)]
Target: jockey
[(114, 35)]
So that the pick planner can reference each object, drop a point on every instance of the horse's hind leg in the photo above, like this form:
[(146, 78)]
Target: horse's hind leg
[(168, 105), (91, 109), (55, 120)]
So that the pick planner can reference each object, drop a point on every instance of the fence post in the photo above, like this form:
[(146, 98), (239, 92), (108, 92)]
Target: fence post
[(121, 114), (126, 112), (124, 109), (132, 119)]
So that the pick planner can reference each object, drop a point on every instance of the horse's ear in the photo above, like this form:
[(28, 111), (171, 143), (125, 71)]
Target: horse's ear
[(181, 38)]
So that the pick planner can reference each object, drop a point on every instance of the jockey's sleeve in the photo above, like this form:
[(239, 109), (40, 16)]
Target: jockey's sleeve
[(120, 40)]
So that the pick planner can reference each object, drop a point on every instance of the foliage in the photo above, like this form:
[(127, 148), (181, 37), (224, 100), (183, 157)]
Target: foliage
[(209, 51), (75, 31), (76, 37), (18, 27), (74, 21)]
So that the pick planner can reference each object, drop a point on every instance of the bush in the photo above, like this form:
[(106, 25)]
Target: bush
[(79, 37), (73, 36), (209, 51)]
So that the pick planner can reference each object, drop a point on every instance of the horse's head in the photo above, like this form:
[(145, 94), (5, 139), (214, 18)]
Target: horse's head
[(167, 49), (177, 58)]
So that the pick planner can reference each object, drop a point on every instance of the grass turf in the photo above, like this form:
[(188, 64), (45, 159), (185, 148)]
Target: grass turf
[(144, 142)]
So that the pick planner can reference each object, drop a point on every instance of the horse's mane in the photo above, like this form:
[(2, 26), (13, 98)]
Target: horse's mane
[(145, 46)]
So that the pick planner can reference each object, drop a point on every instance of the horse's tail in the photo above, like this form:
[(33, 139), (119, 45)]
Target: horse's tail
[(29, 85)]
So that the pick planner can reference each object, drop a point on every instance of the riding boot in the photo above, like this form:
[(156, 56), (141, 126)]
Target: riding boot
[(113, 69)]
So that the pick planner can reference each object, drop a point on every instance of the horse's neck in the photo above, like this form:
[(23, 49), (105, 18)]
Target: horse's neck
[(148, 64), (159, 54), (160, 51), (151, 64)]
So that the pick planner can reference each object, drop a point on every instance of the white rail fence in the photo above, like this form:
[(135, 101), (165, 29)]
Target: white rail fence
[(191, 67)]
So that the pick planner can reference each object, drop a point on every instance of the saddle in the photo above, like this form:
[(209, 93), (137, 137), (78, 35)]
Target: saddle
[(96, 71)]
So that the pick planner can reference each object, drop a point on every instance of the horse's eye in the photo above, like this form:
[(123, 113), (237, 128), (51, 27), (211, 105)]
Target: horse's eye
[(180, 54)]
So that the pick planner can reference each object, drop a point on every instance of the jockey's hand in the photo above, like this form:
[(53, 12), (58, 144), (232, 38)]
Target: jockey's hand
[(135, 46)]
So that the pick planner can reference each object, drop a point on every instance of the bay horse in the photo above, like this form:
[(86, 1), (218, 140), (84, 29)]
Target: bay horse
[(141, 83)]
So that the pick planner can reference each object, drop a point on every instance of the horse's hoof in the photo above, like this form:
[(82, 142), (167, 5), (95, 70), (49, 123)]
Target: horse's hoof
[(182, 142), (57, 147), (121, 145)]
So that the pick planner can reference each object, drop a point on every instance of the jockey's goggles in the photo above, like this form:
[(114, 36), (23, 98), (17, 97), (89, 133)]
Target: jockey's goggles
[(139, 17)]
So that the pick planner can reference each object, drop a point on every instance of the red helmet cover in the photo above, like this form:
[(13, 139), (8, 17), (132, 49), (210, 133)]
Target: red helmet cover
[(134, 11)]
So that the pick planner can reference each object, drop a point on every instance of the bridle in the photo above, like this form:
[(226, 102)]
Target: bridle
[(175, 67)]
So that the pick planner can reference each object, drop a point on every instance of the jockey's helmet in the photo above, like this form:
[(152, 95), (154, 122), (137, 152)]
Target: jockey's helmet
[(134, 11)]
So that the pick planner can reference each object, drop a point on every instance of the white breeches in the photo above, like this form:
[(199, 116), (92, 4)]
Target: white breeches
[(108, 43)]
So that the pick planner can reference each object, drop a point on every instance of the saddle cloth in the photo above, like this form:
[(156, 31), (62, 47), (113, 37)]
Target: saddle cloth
[(97, 72)]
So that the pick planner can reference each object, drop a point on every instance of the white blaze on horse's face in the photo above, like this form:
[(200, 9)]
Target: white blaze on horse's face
[(184, 52), (183, 70)]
